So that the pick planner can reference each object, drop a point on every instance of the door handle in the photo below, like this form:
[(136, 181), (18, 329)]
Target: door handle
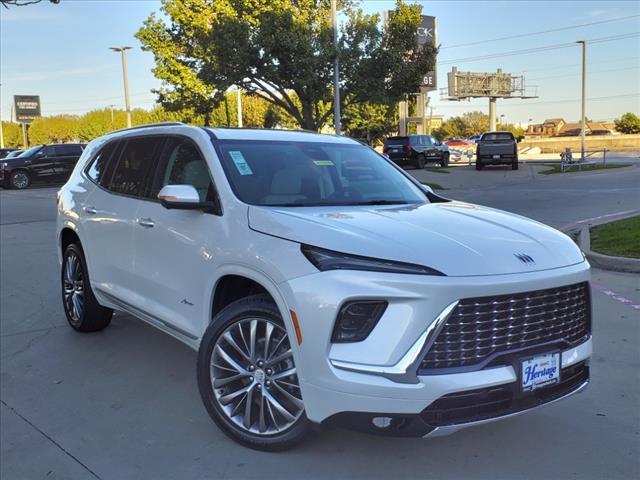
[(91, 210), (146, 222)]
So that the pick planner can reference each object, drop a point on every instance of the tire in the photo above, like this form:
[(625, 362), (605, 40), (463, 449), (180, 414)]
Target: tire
[(81, 308), (445, 161), (19, 179), (478, 165), (421, 161), (225, 354), (514, 165)]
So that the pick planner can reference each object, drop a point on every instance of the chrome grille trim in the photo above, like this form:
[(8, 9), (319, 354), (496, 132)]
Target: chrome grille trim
[(481, 328)]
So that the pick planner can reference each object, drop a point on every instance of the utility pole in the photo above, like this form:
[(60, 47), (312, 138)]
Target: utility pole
[(127, 102), (583, 125), (239, 108), (1, 129), (492, 114), (111, 107), (336, 71)]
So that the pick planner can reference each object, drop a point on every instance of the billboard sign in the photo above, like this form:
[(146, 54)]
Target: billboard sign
[(426, 34), (27, 107)]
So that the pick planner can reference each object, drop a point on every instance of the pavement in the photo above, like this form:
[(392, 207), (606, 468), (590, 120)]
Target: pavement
[(123, 403)]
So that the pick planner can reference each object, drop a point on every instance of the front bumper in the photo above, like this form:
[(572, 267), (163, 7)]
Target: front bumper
[(370, 377)]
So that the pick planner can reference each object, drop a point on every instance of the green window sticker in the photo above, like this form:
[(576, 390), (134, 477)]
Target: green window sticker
[(241, 164), (324, 163)]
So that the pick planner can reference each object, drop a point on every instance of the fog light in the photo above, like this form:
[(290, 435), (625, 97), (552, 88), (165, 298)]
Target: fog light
[(356, 320)]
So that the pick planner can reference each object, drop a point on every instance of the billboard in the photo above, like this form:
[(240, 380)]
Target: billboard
[(426, 33), (481, 84), (27, 107)]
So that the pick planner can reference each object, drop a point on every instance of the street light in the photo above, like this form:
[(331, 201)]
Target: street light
[(127, 102)]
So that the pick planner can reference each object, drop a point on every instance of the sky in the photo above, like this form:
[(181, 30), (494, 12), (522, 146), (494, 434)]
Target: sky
[(61, 52)]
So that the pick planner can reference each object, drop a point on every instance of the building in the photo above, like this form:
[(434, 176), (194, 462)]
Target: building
[(557, 127)]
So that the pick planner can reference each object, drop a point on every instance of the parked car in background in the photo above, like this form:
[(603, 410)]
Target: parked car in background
[(457, 143), (14, 153), (497, 148), (416, 150), (474, 138), (40, 164), (320, 283), (6, 151)]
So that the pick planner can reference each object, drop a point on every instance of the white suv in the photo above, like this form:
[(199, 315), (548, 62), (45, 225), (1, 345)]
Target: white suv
[(320, 283)]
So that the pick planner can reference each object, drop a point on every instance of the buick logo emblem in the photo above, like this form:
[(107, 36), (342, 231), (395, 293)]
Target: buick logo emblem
[(524, 258)]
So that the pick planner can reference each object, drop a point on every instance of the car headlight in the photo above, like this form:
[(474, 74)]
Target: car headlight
[(324, 260), (3, 165)]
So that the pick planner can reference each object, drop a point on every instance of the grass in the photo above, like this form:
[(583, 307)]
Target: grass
[(585, 168), (434, 186), (619, 239), (437, 170)]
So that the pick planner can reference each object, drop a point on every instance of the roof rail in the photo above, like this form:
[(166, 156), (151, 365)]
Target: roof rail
[(159, 124)]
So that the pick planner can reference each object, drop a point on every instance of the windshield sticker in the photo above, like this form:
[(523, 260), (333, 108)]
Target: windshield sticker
[(324, 163), (241, 164)]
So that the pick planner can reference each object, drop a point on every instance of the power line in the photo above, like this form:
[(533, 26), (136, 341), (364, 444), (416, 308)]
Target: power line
[(96, 99), (608, 97), (578, 73), (564, 66), (530, 34), (539, 49)]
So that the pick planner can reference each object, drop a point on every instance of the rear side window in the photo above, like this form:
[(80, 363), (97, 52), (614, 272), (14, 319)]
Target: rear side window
[(67, 150), (182, 164), (135, 163), (396, 141), (99, 167)]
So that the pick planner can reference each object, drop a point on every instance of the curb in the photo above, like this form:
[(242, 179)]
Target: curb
[(617, 264)]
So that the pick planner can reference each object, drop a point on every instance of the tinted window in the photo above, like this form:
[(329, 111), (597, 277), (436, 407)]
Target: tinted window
[(310, 174), (396, 141), (98, 170), (67, 150), (182, 164), (31, 151), (501, 136), (136, 159), (49, 151)]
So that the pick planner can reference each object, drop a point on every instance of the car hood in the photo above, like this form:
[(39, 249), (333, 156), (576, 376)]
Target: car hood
[(456, 238)]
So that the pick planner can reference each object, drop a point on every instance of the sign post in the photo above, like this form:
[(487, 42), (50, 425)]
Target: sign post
[(27, 109)]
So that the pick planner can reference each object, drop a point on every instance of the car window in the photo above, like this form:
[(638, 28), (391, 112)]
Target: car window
[(49, 151), (501, 136), (66, 150), (98, 170), (182, 164), (282, 173), (134, 164)]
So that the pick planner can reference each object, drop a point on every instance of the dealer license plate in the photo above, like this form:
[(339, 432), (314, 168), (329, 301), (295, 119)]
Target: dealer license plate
[(540, 371), (496, 156)]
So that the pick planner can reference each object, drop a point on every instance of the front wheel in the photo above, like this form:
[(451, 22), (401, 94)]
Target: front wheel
[(421, 161), (478, 165), (445, 160), (247, 376), (514, 165), (81, 308), (19, 179)]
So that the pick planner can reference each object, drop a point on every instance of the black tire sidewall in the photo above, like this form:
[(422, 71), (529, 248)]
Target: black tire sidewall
[(256, 306)]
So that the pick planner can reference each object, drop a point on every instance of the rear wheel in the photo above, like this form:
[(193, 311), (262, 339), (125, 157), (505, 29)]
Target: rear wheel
[(514, 164), (247, 377), (20, 179), (81, 308), (421, 161), (478, 165), (445, 160)]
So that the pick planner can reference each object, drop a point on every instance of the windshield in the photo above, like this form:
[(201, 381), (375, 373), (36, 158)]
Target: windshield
[(31, 151), (299, 174)]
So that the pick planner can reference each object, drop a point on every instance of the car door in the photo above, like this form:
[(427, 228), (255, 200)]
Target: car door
[(175, 248), (42, 165), (109, 213), (65, 160)]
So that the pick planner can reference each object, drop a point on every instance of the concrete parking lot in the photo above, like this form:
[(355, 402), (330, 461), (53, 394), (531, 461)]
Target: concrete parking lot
[(124, 404)]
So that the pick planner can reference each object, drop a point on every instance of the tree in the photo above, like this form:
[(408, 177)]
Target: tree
[(628, 123), (371, 122), (54, 129), (283, 52), (23, 3), (12, 134)]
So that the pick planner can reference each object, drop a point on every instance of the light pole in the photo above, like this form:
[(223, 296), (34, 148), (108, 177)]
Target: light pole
[(336, 71), (583, 126), (239, 108), (127, 102)]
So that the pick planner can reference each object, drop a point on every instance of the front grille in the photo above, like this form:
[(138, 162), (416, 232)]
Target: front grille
[(484, 403), (481, 329)]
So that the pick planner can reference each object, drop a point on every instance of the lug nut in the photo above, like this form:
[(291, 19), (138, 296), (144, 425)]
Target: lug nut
[(258, 386), (269, 371), (251, 368), (268, 383), (260, 363), (251, 378)]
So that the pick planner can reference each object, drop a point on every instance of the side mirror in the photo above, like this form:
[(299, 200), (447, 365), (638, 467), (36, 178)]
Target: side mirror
[(427, 189), (183, 197)]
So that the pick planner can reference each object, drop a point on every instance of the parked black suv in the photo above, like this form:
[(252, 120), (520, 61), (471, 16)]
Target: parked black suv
[(497, 148), (6, 151), (416, 150), (43, 163)]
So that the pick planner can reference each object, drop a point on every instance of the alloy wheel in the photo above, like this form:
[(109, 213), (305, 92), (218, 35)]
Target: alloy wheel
[(73, 285), (20, 180), (254, 378)]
